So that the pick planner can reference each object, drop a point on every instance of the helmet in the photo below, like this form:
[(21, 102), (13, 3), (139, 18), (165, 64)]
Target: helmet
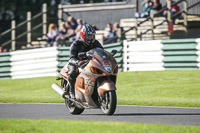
[(87, 34)]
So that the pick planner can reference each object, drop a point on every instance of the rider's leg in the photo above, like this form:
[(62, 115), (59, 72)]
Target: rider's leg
[(72, 79)]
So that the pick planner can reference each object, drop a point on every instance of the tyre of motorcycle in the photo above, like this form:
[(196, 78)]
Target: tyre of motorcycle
[(72, 108), (69, 104), (109, 102)]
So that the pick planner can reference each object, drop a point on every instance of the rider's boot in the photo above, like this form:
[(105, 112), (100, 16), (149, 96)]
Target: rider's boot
[(72, 80), (72, 89), (72, 94)]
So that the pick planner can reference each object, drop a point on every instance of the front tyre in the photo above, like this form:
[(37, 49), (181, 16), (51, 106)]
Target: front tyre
[(109, 102)]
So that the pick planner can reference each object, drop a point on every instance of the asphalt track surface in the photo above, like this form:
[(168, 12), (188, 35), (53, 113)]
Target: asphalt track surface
[(123, 113)]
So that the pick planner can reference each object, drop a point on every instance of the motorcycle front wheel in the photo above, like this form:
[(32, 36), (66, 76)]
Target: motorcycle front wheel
[(109, 102)]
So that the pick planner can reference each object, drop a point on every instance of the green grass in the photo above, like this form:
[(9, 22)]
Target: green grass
[(162, 88), (158, 88), (59, 126)]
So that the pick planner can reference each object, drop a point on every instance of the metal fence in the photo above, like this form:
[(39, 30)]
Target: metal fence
[(23, 33), (194, 10)]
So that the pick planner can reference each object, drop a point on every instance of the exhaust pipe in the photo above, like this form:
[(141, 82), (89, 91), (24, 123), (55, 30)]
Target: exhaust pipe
[(57, 89)]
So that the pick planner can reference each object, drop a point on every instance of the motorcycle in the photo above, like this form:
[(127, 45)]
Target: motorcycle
[(95, 86)]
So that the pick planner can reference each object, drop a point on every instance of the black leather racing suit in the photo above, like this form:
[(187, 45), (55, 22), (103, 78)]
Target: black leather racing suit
[(77, 47)]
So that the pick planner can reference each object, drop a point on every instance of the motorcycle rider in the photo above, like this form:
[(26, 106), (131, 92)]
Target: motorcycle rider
[(86, 42)]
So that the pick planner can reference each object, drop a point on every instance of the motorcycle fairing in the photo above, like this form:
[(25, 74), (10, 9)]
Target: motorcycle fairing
[(106, 86)]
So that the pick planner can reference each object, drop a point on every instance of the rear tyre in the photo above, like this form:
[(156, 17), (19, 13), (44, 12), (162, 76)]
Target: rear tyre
[(72, 108), (69, 104), (109, 102)]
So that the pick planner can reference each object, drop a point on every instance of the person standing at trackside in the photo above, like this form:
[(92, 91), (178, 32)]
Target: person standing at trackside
[(174, 9), (86, 42)]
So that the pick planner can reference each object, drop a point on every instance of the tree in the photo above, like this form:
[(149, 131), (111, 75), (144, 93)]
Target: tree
[(16, 9)]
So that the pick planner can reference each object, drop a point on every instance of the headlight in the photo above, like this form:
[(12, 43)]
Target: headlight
[(107, 66)]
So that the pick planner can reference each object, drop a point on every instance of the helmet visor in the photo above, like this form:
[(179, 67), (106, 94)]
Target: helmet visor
[(89, 38)]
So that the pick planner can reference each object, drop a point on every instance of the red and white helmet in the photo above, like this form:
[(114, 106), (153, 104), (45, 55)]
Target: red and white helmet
[(87, 34)]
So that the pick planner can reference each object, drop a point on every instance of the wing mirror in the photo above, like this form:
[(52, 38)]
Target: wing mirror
[(113, 52)]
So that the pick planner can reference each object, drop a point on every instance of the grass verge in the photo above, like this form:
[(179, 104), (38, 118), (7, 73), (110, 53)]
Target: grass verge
[(58, 126), (157, 88)]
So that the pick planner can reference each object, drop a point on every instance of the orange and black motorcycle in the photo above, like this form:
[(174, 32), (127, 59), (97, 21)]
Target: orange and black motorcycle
[(95, 86)]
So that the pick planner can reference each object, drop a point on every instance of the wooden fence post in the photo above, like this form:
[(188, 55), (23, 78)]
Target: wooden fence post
[(44, 20), (125, 56), (168, 11), (136, 30), (28, 28), (13, 35), (119, 34), (152, 24), (185, 4), (59, 15)]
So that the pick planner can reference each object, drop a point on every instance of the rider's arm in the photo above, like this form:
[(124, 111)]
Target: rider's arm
[(74, 50), (97, 44)]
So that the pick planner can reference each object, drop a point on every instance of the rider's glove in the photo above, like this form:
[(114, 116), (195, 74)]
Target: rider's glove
[(74, 62)]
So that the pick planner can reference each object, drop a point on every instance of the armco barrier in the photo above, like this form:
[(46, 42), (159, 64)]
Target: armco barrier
[(34, 63), (175, 54), (198, 51), (63, 54), (29, 63), (180, 54), (5, 65), (142, 56), (132, 56), (62, 57)]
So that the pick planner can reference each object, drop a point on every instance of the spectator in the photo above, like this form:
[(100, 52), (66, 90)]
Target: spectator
[(147, 4), (70, 32), (95, 27), (174, 10), (115, 27), (111, 32), (63, 31), (52, 33), (67, 33), (63, 28), (72, 22), (5, 50), (78, 28), (157, 6)]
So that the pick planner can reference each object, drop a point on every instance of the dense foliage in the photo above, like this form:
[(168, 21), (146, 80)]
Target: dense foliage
[(16, 9)]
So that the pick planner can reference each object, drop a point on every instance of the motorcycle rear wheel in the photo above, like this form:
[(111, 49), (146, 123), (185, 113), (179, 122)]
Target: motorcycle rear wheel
[(109, 102), (72, 108)]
